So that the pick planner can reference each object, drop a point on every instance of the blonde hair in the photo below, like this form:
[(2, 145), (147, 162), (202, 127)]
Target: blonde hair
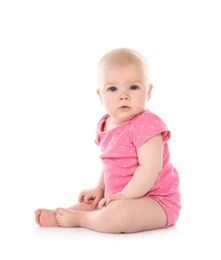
[(123, 57)]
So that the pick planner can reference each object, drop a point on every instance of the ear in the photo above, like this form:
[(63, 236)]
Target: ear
[(99, 94), (149, 91)]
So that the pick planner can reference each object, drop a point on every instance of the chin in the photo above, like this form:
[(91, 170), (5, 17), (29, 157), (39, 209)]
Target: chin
[(127, 117)]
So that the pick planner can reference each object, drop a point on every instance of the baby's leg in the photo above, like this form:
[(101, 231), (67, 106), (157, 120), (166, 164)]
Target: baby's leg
[(121, 216), (46, 218)]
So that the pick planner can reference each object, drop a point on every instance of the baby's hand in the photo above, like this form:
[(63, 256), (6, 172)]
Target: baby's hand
[(91, 196), (85, 196), (102, 203), (105, 201)]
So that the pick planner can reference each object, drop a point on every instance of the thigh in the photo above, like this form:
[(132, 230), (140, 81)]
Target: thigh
[(134, 215)]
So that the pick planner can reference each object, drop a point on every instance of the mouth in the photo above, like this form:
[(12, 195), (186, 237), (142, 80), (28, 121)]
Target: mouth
[(124, 107)]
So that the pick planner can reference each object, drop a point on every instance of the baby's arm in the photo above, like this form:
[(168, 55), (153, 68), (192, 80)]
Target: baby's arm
[(150, 157), (101, 180)]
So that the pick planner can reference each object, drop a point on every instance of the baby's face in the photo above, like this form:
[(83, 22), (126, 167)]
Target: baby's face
[(124, 91)]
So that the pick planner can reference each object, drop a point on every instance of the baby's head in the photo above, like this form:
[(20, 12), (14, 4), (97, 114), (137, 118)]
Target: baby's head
[(124, 87), (123, 57)]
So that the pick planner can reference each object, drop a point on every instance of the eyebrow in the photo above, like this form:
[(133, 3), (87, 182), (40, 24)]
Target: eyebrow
[(116, 84)]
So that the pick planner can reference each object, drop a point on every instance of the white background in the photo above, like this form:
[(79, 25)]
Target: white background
[(49, 51)]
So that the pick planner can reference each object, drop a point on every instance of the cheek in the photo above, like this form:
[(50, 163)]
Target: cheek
[(108, 103), (107, 100), (141, 101), (142, 98)]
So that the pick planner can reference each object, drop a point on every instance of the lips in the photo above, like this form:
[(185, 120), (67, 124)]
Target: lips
[(123, 107)]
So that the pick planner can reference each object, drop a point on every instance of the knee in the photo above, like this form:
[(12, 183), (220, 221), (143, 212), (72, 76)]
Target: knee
[(116, 217)]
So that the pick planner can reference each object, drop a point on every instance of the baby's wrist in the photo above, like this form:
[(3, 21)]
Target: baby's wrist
[(100, 188)]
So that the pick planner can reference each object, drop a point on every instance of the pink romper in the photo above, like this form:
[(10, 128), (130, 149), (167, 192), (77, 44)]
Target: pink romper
[(119, 156)]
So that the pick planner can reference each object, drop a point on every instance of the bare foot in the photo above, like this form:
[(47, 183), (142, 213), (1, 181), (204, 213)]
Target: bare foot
[(46, 218), (66, 217)]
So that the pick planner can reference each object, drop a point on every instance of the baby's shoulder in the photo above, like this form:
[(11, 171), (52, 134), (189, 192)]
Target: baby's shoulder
[(148, 121), (146, 116)]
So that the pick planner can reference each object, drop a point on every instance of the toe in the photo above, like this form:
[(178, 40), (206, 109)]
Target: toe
[(37, 212), (60, 211)]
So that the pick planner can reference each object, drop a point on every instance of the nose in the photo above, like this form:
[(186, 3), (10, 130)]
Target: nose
[(123, 96)]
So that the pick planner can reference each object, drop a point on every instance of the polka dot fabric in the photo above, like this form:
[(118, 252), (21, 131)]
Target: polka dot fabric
[(119, 156)]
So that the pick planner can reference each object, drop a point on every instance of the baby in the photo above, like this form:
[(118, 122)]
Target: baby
[(138, 188)]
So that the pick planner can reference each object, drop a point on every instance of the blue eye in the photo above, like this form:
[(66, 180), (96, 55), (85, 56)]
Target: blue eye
[(133, 87), (112, 89)]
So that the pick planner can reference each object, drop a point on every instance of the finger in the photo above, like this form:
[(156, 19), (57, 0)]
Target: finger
[(82, 195), (95, 203), (108, 200), (80, 198), (101, 203), (88, 199)]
